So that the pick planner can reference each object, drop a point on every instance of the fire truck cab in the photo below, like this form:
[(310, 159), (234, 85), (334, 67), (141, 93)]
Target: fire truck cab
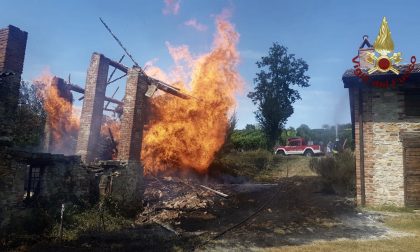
[(298, 146)]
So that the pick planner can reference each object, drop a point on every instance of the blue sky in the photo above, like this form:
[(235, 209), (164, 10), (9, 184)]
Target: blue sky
[(326, 34)]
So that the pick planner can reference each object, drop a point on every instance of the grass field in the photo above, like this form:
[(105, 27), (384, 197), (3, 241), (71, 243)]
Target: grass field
[(262, 166)]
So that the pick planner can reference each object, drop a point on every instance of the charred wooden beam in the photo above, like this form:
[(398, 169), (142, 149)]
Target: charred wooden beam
[(114, 80), (106, 106), (118, 102), (81, 90), (114, 144), (75, 88), (115, 69), (110, 110), (168, 88), (118, 66)]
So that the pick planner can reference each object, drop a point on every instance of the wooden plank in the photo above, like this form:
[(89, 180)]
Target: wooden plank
[(412, 173), (411, 141)]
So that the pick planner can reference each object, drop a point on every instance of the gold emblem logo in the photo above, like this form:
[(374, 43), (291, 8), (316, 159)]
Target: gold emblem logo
[(384, 46)]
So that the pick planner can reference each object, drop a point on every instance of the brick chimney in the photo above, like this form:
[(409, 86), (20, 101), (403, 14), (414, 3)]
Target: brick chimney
[(12, 55), (364, 49)]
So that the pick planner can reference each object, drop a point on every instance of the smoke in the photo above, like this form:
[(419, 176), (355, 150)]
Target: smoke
[(171, 7), (195, 24), (341, 108)]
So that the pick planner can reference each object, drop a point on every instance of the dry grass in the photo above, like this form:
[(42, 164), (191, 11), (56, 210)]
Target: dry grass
[(390, 208), (262, 165), (407, 222), (285, 167)]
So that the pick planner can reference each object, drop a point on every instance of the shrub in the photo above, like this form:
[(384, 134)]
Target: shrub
[(28, 225), (248, 139), (246, 163), (104, 216), (28, 221), (337, 172), (29, 118)]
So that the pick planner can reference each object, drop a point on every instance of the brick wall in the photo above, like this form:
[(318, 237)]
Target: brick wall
[(12, 54), (12, 49), (354, 96), (132, 122), (92, 111), (129, 185), (383, 151)]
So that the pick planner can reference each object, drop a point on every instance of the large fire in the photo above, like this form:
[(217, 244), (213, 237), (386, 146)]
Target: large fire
[(180, 133), (187, 133), (62, 123)]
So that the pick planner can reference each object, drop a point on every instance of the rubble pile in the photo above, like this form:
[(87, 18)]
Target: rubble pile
[(166, 199)]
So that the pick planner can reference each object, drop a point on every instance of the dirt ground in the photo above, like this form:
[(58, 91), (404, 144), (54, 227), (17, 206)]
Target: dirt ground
[(298, 214), (180, 215)]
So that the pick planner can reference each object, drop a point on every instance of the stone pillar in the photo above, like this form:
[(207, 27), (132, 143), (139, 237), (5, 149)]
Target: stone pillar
[(12, 55), (133, 116), (129, 185), (92, 111)]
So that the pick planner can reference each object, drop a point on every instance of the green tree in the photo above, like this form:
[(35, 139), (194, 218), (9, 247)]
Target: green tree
[(274, 93), (305, 132), (248, 139), (250, 127), (286, 134), (30, 117)]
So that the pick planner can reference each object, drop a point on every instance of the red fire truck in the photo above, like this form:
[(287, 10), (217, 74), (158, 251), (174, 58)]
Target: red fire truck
[(298, 146)]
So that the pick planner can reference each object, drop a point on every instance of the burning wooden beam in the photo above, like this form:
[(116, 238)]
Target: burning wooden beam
[(78, 89)]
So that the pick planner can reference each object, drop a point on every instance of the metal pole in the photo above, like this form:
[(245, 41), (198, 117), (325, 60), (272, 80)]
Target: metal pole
[(28, 192), (61, 222)]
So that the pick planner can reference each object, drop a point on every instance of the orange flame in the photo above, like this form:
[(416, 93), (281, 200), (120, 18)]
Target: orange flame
[(187, 134), (62, 121)]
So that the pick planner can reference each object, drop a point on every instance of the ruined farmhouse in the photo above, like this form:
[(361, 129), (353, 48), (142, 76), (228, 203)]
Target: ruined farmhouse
[(28, 176)]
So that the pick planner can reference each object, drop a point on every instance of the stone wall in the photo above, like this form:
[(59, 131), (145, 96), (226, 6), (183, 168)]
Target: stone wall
[(12, 183), (383, 122), (128, 187), (63, 179)]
